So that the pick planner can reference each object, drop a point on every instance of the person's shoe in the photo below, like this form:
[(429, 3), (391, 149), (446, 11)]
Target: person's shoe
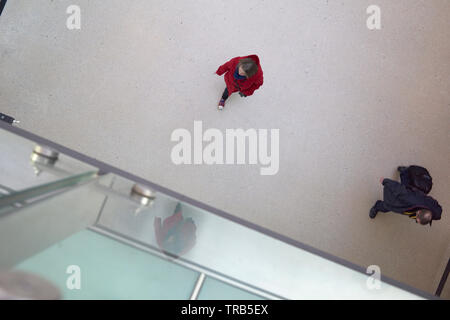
[(373, 213), (221, 104), (401, 169)]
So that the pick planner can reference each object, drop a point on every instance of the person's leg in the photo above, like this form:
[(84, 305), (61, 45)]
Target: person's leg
[(225, 94), (222, 100), (378, 206)]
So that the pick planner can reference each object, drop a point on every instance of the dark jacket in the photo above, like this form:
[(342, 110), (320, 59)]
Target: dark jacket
[(246, 86), (416, 178), (398, 198)]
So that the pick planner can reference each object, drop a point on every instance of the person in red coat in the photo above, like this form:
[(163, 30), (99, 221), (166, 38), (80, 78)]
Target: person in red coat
[(243, 74), (176, 235)]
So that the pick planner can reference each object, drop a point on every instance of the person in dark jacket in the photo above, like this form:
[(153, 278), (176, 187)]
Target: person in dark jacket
[(400, 199), (243, 74)]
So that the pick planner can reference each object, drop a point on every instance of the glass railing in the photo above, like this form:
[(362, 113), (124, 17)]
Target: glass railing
[(23, 167), (97, 232)]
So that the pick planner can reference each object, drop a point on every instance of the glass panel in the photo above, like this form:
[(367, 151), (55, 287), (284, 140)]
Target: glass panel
[(213, 289), (121, 214), (110, 270), (18, 172), (36, 226), (44, 190)]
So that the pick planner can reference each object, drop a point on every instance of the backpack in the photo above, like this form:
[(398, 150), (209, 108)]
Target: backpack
[(420, 178)]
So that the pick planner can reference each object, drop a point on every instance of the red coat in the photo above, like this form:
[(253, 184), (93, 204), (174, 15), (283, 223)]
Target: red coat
[(184, 239), (248, 86)]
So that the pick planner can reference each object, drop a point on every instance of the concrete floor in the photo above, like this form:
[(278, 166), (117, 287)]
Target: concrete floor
[(351, 105)]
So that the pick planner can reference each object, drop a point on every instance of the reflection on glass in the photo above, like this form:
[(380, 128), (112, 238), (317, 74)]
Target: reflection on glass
[(19, 285), (176, 235)]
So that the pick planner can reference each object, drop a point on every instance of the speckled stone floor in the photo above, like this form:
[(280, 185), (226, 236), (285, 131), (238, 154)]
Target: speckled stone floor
[(351, 105)]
